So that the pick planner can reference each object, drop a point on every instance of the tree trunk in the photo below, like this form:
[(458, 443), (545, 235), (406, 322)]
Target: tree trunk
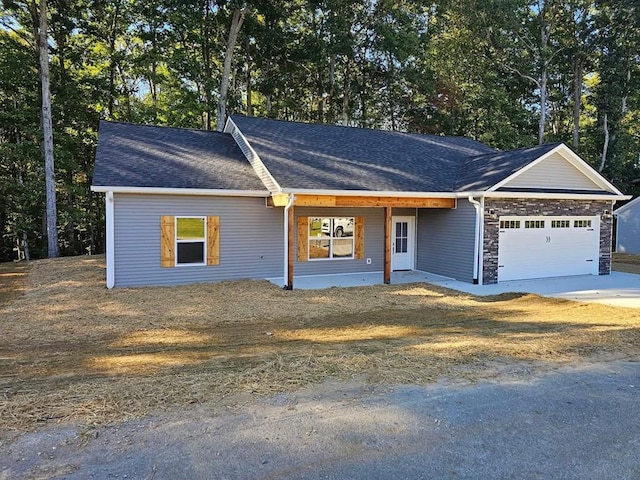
[(25, 246), (577, 96), (623, 102), (248, 79), (345, 96), (543, 104), (236, 24), (112, 63), (47, 129), (332, 88), (206, 57), (605, 146)]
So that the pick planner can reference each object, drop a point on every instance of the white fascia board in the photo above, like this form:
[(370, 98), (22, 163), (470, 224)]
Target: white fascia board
[(256, 162), (369, 193), (572, 158), (626, 206), (556, 196), (182, 191)]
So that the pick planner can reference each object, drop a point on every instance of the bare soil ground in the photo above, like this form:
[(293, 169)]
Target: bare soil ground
[(72, 350), (626, 263)]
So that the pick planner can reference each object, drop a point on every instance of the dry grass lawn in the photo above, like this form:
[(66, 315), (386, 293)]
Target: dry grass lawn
[(71, 349)]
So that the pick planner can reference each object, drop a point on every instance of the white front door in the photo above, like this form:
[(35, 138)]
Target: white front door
[(402, 243)]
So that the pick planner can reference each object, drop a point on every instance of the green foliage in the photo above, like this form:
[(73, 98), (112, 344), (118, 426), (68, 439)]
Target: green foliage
[(454, 67)]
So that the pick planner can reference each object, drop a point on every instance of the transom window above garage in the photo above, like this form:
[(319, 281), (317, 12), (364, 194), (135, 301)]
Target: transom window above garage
[(560, 223), (534, 224), (509, 223), (582, 223)]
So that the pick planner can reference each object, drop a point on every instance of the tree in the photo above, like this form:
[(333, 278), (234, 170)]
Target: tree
[(47, 128), (236, 24)]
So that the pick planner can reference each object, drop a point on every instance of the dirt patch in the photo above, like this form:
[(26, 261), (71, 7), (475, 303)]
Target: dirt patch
[(626, 263), (71, 349)]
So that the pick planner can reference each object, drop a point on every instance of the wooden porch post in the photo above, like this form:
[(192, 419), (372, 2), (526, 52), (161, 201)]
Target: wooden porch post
[(387, 245), (290, 257)]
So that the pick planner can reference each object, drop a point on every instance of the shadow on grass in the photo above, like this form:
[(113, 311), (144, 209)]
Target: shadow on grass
[(71, 344)]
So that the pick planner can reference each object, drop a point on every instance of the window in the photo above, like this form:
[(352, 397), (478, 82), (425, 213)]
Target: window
[(560, 223), (534, 224), (190, 240), (509, 223), (582, 223), (331, 237)]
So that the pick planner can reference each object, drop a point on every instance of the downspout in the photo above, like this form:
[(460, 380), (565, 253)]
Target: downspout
[(286, 240), (110, 237), (476, 245)]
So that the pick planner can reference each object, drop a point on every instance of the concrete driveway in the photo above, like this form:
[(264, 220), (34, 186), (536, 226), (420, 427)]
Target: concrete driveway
[(575, 423), (618, 288)]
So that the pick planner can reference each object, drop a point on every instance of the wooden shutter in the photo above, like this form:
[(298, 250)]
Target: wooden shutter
[(359, 238), (213, 240), (167, 241), (303, 239)]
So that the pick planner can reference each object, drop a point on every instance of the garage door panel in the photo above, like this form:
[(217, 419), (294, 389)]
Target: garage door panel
[(549, 251)]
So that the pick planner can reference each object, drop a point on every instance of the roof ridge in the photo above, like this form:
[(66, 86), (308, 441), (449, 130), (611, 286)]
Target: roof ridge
[(321, 124), (513, 150)]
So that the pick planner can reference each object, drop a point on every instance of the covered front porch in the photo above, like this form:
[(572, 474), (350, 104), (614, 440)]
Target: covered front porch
[(303, 238)]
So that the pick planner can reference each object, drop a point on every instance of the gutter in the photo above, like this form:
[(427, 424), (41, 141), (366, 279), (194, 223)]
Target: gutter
[(286, 241), (181, 191), (478, 239), (556, 196)]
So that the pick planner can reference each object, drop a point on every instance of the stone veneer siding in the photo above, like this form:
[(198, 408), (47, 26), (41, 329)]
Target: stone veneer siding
[(538, 207)]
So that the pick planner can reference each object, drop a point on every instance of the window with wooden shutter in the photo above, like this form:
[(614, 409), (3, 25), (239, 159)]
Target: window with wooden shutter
[(167, 241), (359, 238), (303, 239), (213, 240), (189, 241)]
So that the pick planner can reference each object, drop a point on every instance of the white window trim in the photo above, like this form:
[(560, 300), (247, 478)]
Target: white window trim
[(204, 242), (331, 238)]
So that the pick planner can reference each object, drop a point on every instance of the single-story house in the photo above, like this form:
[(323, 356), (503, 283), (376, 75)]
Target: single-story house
[(270, 198), (628, 227)]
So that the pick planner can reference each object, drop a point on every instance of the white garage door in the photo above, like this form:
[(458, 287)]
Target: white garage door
[(539, 247)]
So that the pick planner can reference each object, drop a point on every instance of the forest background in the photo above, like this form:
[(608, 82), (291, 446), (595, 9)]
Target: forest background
[(509, 73)]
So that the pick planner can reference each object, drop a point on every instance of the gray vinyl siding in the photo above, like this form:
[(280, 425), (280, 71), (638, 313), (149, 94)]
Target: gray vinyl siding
[(628, 230), (404, 212), (553, 172), (373, 243), (250, 239), (446, 241)]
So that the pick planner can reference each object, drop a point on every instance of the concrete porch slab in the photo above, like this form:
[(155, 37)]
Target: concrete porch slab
[(618, 288), (359, 279)]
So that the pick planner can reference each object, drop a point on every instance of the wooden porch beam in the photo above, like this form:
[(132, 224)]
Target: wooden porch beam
[(374, 201), (290, 253), (387, 245)]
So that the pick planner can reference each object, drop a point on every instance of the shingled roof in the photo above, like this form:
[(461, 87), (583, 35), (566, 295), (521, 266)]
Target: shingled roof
[(484, 171), (329, 157), (301, 156), (130, 155)]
